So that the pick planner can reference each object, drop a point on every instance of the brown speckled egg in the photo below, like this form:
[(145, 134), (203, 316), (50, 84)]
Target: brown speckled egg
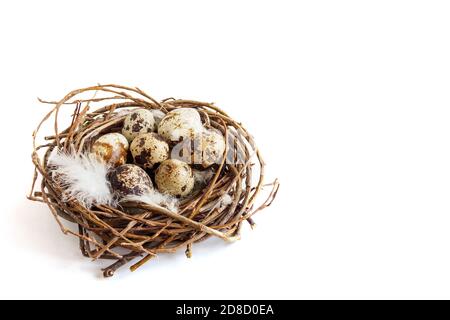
[(212, 148), (149, 149), (180, 124), (130, 179), (137, 122), (206, 149), (174, 177), (111, 148)]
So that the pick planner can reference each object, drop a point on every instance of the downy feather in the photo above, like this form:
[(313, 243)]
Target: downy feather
[(83, 178)]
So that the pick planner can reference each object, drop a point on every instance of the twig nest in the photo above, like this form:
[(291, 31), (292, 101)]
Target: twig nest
[(149, 149), (175, 177), (180, 124), (117, 211), (137, 122), (111, 148), (130, 180)]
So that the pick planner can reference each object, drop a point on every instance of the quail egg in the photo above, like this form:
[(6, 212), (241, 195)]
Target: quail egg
[(206, 149), (158, 115), (212, 147), (111, 148), (180, 124), (149, 149), (130, 179), (174, 177), (137, 122)]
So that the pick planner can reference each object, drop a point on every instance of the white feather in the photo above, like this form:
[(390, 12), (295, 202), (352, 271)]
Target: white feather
[(83, 177), (203, 177), (156, 198), (226, 201)]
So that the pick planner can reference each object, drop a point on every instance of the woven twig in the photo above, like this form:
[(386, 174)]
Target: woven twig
[(141, 229)]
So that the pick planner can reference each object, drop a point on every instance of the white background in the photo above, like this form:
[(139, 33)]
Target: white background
[(348, 100)]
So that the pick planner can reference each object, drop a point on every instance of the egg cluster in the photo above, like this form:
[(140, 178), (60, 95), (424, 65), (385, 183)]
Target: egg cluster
[(160, 145)]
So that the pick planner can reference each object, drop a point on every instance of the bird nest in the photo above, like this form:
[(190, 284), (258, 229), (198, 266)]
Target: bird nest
[(133, 230)]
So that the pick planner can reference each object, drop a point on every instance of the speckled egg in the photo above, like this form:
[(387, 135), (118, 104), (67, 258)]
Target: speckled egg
[(174, 177), (211, 148), (158, 115), (180, 124), (206, 149), (137, 122), (130, 179), (111, 148), (149, 149)]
